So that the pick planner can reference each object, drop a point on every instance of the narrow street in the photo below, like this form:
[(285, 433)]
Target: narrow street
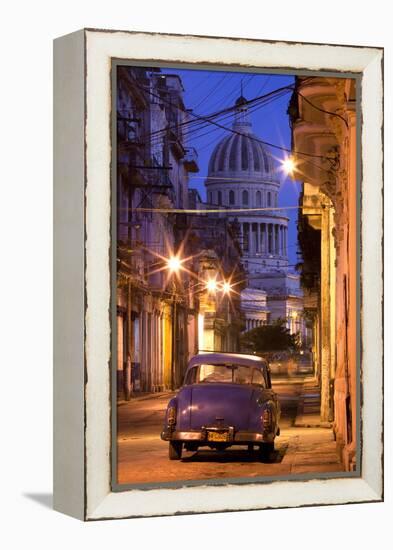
[(304, 446), (237, 249)]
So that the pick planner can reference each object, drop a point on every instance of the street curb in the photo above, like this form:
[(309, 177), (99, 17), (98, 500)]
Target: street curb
[(285, 381), (300, 421), (155, 395)]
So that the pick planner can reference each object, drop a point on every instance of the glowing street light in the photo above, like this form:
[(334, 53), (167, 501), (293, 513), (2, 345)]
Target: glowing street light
[(226, 287), (288, 165), (211, 285), (174, 264)]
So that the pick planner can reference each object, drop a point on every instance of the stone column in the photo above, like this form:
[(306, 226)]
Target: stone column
[(151, 350), (274, 232), (267, 237), (271, 238), (259, 247), (255, 237), (262, 226), (276, 238), (245, 236), (325, 312), (281, 240)]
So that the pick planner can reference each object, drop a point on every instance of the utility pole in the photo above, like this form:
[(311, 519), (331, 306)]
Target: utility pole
[(174, 336), (127, 359)]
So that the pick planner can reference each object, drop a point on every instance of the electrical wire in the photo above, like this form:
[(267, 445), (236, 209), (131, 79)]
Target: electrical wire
[(206, 120), (217, 84), (222, 100), (320, 109), (252, 110), (253, 138), (228, 211)]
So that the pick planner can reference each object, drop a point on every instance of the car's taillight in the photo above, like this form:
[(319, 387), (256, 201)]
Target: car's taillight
[(267, 419), (171, 417)]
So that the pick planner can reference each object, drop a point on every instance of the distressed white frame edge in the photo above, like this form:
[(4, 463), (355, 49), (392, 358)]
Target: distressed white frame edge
[(69, 275), (100, 48)]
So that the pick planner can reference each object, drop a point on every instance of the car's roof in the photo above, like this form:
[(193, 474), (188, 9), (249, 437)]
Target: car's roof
[(213, 358)]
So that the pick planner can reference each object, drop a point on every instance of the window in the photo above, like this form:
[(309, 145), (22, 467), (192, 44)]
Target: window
[(257, 378), (245, 198), (191, 377), (219, 199), (258, 198), (225, 374), (231, 197), (269, 198)]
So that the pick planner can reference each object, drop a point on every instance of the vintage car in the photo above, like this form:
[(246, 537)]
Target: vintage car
[(226, 399)]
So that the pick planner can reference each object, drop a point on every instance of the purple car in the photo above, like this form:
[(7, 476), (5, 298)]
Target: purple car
[(226, 399)]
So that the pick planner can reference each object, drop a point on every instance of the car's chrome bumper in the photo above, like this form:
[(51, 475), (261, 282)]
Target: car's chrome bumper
[(234, 437)]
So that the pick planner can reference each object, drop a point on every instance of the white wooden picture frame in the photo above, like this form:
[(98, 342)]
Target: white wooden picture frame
[(82, 244)]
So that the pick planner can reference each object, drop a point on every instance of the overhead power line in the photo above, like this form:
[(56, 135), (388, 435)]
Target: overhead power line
[(253, 138), (213, 210), (193, 132), (205, 119)]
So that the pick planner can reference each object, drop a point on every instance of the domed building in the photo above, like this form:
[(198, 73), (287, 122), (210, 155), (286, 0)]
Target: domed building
[(242, 174)]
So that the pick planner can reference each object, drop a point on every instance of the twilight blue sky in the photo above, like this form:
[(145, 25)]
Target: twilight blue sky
[(209, 91)]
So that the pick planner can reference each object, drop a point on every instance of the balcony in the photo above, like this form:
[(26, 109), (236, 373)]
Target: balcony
[(128, 129), (174, 138), (191, 160)]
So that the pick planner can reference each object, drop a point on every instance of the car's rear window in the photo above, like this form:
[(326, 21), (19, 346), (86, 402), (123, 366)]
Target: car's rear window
[(226, 373)]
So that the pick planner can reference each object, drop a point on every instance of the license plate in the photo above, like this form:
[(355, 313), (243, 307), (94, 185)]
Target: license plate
[(217, 436)]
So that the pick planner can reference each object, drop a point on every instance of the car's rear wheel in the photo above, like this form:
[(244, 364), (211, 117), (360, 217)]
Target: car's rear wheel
[(175, 450), (266, 450)]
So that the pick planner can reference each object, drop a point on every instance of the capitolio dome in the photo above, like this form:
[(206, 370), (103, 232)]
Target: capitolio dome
[(241, 151)]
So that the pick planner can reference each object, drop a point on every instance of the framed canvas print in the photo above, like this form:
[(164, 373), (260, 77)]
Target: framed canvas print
[(218, 274)]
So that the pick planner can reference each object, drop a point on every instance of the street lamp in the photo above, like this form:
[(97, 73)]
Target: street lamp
[(226, 287), (174, 264), (288, 165), (211, 285)]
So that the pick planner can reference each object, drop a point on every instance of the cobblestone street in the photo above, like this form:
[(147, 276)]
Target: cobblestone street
[(304, 446)]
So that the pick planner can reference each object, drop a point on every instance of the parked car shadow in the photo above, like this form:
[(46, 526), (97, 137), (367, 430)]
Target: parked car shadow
[(234, 455)]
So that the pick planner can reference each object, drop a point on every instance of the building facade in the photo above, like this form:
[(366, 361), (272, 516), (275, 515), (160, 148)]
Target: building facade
[(242, 175), (323, 112), (153, 167), (164, 316), (213, 243)]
